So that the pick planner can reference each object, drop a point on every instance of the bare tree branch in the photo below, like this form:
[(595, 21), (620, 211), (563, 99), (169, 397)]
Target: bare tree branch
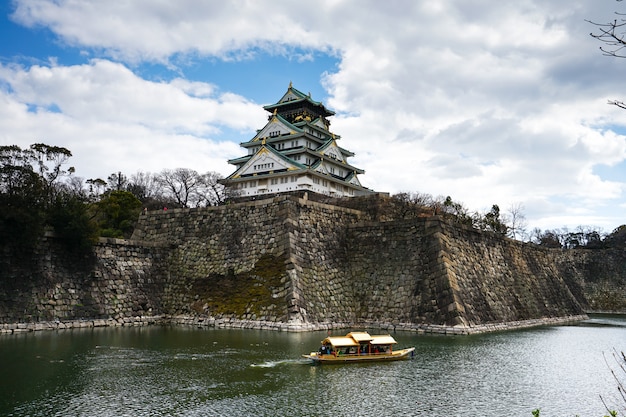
[(613, 35), (617, 103)]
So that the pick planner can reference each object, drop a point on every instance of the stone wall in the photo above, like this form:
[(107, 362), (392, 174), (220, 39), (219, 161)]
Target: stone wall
[(499, 280), (120, 279), (597, 277), (291, 263)]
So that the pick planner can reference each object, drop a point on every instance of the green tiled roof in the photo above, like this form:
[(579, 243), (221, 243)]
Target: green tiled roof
[(329, 142), (301, 98)]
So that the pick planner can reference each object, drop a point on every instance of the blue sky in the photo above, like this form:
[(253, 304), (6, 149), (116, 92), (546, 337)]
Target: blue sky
[(487, 102)]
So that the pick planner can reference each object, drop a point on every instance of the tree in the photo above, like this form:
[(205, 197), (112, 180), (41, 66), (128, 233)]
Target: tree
[(612, 35), (617, 238), (32, 198), (408, 204), (459, 212), (144, 186), (96, 188), (213, 193), (117, 213), (69, 218), (182, 185), (117, 181), (22, 199), (49, 161), (76, 186), (491, 221), (516, 221), (549, 238), (618, 372)]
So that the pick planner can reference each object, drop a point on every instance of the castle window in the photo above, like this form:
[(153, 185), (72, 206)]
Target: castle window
[(274, 134), (263, 167)]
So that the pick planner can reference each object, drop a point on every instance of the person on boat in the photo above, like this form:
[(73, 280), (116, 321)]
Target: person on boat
[(326, 350)]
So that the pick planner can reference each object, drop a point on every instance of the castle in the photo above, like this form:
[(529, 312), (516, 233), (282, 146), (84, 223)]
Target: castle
[(295, 151)]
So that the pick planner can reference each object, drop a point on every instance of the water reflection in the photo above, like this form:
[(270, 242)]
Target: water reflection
[(191, 372)]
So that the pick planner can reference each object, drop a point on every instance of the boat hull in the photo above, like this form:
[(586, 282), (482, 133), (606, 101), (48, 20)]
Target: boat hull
[(396, 355)]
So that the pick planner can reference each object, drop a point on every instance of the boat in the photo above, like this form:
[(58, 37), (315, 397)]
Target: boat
[(359, 347)]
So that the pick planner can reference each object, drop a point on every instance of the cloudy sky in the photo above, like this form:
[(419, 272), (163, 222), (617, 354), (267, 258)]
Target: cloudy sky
[(486, 101)]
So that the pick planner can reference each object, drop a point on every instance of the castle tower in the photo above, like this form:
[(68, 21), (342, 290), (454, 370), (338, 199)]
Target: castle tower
[(294, 151)]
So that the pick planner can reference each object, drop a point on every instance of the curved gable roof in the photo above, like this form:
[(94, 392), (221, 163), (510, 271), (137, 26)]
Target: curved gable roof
[(276, 124), (294, 95), (330, 143), (267, 155)]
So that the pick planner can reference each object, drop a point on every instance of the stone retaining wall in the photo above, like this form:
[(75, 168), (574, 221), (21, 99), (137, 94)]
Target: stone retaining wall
[(120, 279), (210, 322), (290, 263)]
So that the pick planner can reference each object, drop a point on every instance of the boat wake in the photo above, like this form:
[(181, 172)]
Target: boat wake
[(273, 364)]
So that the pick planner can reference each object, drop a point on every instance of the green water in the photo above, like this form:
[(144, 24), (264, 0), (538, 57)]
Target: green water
[(198, 372)]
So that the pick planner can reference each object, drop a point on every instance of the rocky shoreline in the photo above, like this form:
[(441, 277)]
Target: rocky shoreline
[(211, 322)]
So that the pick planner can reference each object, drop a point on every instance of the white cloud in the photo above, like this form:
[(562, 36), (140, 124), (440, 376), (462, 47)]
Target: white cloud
[(489, 102), (109, 92), (113, 120)]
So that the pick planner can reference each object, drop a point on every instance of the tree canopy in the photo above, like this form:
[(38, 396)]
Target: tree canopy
[(38, 193)]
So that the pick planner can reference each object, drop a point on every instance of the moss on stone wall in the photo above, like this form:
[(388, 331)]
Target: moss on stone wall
[(250, 294)]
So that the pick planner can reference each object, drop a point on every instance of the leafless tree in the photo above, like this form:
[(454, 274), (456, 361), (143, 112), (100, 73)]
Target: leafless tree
[(144, 185), (212, 192), (612, 34), (76, 186), (516, 220), (408, 204), (618, 372), (182, 185)]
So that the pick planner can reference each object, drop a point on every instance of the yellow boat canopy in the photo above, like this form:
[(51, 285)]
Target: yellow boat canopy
[(383, 340), (360, 336), (356, 338), (340, 341)]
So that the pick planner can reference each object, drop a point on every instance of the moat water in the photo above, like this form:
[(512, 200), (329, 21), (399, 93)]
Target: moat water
[(157, 371)]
